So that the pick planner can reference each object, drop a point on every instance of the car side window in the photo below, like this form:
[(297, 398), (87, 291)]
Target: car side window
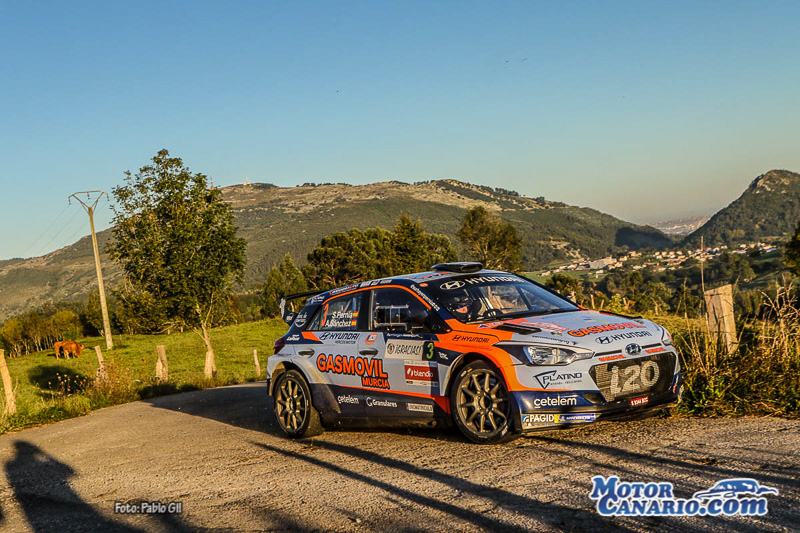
[(340, 314), (397, 310)]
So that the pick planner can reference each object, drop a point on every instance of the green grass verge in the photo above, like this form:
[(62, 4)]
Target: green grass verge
[(49, 389)]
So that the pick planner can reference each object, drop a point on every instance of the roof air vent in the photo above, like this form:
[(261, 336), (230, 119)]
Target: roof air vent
[(462, 268)]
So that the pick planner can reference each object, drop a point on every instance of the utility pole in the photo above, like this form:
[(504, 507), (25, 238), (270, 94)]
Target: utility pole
[(103, 306)]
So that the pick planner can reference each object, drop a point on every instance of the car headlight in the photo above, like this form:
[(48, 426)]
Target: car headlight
[(666, 338), (554, 355)]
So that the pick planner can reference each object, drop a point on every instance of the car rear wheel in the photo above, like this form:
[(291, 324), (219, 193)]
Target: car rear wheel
[(479, 404), (296, 414)]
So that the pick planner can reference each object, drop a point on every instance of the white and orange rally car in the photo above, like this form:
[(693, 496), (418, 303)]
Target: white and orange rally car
[(494, 353)]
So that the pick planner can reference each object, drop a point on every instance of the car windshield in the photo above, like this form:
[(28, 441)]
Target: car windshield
[(482, 298)]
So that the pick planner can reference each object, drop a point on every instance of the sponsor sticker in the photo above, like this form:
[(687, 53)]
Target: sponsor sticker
[(371, 338), (405, 349), (729, 497), (555, 401), (591, 330), (301, 319), (375, 402), (346, 398), (293, 338), (425, 297), (552, 377), (419, 407), (421, 373), (552, 419), (470, 338), (611, 357), (656, 350), (369, 370), (339, 337), (644, 400)]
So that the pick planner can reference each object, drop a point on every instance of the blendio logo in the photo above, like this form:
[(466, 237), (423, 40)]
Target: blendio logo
[(347, 399)]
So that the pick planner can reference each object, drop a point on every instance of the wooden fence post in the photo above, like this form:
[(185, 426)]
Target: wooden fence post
[(11, 403), (162, 371), (101, 374), (720, 317), (258, 366)]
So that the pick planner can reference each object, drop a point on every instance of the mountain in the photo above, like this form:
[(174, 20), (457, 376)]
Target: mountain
[(680, 226), (276, 220), (768, 210)]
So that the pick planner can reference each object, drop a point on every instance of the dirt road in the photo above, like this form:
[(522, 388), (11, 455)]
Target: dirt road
[(220, 454)]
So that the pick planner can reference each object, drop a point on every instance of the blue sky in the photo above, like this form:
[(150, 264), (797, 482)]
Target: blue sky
[(646, 111)]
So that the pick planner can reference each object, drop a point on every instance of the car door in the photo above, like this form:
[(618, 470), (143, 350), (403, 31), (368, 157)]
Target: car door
[(332, 340), (401, 339)]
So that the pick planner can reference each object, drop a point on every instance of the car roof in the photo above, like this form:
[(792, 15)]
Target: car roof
[(405, 280)]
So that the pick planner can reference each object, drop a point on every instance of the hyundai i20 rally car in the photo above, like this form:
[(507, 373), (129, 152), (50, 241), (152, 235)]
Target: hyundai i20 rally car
[(491, 352)]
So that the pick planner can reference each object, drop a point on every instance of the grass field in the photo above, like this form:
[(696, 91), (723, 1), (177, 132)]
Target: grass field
[(49, 389)]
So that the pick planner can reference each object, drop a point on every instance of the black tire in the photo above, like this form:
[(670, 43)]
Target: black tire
[(480, 406), (294, 410)]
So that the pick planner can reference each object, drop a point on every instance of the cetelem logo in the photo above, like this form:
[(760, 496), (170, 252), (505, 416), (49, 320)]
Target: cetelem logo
[(729, 497)]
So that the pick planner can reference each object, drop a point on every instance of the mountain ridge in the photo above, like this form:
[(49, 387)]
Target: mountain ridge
[(276, 220), (768, 209)]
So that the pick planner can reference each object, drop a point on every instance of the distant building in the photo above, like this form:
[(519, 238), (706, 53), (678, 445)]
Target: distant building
[(600, 263)]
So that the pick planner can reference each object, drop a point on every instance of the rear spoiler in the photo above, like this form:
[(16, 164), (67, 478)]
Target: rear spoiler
[(286, 313)]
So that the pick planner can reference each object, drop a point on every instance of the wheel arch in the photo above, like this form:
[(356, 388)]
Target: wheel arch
[(282, 368), (321, 396), (463, 361), (471, 357)]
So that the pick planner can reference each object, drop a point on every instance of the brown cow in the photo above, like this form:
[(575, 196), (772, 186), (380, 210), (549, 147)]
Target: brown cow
[(68, 348)]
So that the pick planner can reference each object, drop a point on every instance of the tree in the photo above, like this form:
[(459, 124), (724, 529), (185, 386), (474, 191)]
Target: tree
[(66, 325), (13, 335), (566, 285), (283, 279), (791, 253), (416, 250), (489, 240), (344, 258), (175, 239)]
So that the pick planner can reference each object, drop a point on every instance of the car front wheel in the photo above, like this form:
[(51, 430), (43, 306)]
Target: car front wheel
[(296, 414), (480, 406)]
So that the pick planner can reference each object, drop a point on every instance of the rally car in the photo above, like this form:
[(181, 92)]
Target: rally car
[(491, 352)]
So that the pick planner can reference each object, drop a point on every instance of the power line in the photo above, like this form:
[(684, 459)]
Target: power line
[(61, 231), (53, 223)]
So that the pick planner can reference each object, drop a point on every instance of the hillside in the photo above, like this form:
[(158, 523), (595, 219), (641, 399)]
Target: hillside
[(768, 210), (276, 220)]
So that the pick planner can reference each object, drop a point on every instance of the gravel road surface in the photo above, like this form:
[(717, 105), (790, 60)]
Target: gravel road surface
[(221, 455)]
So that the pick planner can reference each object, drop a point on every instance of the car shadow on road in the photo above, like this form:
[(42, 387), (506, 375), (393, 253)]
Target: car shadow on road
[(250, 407), (243, 406), (41, 486), (547, 513)]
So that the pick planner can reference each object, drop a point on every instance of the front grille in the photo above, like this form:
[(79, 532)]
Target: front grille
[(644, 375)]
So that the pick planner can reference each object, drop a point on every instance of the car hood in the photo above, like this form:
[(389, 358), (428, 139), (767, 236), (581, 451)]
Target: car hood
[(599, 332)]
